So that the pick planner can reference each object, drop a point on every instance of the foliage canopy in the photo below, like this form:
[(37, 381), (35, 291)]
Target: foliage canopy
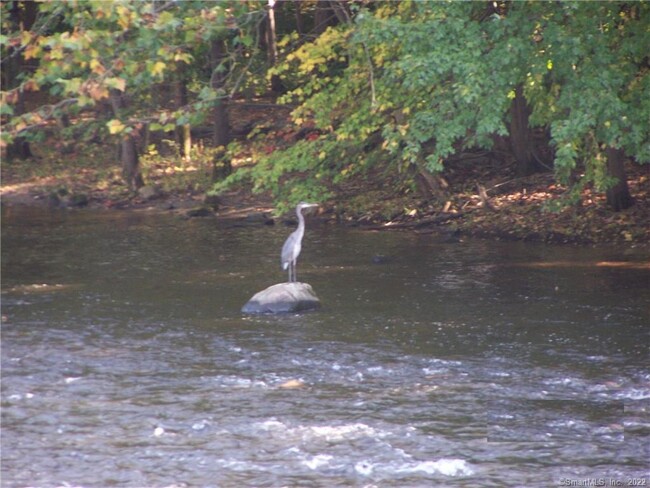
[(409, 83), (437, 78), (81, 52)]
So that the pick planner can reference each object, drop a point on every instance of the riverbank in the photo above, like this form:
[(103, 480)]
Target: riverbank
[(479, 202), (531, 209)]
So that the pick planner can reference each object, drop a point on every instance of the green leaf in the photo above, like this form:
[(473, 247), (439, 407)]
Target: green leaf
[(6, 109)]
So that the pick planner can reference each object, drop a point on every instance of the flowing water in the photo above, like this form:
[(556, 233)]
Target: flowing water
[(126, 361)]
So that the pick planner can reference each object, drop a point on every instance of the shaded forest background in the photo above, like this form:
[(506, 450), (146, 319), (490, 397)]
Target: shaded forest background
[(520, 119)]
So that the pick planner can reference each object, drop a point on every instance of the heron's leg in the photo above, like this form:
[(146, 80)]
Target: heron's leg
[(293, 271)]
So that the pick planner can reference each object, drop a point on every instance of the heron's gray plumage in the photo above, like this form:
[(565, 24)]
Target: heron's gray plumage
[(293, 244)]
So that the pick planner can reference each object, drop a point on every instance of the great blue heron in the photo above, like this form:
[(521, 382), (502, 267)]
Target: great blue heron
[(293, 244)]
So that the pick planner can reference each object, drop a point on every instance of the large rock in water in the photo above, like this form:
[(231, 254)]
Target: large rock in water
[(283, 298)]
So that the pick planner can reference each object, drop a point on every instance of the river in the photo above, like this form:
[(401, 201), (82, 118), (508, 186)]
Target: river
[(126, 361)]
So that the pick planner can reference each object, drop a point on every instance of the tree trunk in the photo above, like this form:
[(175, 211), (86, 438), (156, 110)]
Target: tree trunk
[(300, 26), (187, 142), (270, 34), (184, 133), (19, 149), (521, 138), (430, 184), (221, 166), (323, 17), (272, 48), (618, 196), (217, 82), (130, 163), (341, 11), (20, 14), (128, 148)]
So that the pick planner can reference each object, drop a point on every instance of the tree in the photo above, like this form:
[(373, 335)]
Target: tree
[(184, 133), (87, 54), (128, 147), (392, 73), (618, 193), (19, 14), (218, 57), (433, 79), (271, 41), (596, 91), (521, 136)]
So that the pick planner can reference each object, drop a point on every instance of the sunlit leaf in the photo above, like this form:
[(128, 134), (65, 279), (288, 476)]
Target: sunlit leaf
[(157, 68), (96, 66), (115, 126), (116, 83)]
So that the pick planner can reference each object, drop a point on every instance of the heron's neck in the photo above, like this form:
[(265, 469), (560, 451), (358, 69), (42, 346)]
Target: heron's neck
[(301, 220)]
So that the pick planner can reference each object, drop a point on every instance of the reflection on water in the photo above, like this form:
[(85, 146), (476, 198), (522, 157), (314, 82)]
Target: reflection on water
[(125, 360)]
